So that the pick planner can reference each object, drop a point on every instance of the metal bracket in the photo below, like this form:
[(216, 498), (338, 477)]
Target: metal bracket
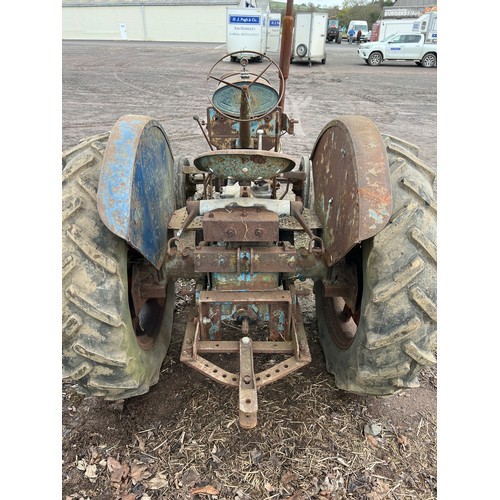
[(248, 386), (246, 380)]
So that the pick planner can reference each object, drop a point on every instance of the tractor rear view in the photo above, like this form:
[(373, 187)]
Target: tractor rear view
[(244, 224)]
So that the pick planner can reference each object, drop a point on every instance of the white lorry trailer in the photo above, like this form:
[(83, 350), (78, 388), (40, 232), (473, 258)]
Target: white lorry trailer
[(426, 24), (251, 26), (309, 37), (245, 31), (273, 32), (386, 27)]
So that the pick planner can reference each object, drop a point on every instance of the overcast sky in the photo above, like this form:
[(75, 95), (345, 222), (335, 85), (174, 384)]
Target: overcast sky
[(321, 3), (327, 3)]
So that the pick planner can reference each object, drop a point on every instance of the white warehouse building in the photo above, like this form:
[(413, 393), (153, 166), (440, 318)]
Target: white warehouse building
[(146, 20)]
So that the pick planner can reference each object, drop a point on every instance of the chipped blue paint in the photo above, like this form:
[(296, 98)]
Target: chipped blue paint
[(375, 215), (270, 125), (135, 197), (281, 321)]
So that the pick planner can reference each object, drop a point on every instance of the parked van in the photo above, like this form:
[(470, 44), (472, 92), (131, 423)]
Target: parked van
[(360, 25)]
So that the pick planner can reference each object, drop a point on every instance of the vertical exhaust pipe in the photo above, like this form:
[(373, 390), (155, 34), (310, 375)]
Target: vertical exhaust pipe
[(286, 49)]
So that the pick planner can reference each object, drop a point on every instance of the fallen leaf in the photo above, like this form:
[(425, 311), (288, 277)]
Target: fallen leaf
[(117, 470), (94, 456), (91, 473), (113, 464), (205, 490), (288, 477), (190, 477), (255, 456), (403, 440), (269, 487), (81, 464), (138, 472), (140, 442), (129, 496), (372, 441), (158, 482)]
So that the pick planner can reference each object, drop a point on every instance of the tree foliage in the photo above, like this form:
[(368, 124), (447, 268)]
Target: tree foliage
[(368, 11)]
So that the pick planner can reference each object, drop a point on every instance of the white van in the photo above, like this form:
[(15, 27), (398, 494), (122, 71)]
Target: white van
[(359, 25)]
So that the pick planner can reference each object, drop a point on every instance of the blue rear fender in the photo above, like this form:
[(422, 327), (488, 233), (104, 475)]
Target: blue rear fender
[(135, 197)]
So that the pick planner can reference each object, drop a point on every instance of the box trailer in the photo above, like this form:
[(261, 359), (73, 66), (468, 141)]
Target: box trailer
[(386, 27), (427, 24), (273, 32), (309, 37), (245, 31)]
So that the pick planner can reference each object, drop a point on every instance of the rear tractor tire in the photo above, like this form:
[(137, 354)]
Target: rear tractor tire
[(380, 346), (112, 344)]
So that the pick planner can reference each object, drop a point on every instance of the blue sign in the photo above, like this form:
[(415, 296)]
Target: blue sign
[(275, 23), (244, 19)]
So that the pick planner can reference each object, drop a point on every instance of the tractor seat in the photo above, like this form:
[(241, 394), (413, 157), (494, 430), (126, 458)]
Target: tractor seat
[(244, 164)]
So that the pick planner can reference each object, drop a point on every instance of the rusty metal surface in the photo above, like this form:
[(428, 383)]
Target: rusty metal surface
[(193, 347), (281, 207), (243, 164), (244, 281), (233, 346), (286, 48), (274, 259), (352, 189), (268, 305), (228, 99), (189, 355), (242, 225), (262, 259), (287, 222), (224, 132), (248, 386), (179, 217), (246, 379)]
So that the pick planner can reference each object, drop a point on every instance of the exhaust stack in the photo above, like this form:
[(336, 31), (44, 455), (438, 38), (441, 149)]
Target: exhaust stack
[(286, 49)]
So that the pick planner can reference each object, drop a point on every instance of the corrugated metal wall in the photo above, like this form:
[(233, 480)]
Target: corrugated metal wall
[(145, 22)]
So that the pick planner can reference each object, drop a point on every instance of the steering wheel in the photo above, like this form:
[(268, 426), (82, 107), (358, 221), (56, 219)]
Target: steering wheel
[(261, 98)]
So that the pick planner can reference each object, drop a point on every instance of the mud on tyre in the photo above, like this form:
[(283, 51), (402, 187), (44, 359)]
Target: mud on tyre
[(112, 347), (382, 346)]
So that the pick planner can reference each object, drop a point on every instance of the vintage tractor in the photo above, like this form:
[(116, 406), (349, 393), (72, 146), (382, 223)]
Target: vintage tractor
[(242, 224)]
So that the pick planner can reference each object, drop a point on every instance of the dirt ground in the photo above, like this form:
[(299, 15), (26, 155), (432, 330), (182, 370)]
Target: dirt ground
[(182, 440)]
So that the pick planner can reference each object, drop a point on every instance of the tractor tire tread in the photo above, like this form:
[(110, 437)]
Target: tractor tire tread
[(99, 348), (396, 334)]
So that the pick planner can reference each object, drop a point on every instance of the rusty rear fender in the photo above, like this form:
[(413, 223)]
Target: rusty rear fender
[(352, 185)]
